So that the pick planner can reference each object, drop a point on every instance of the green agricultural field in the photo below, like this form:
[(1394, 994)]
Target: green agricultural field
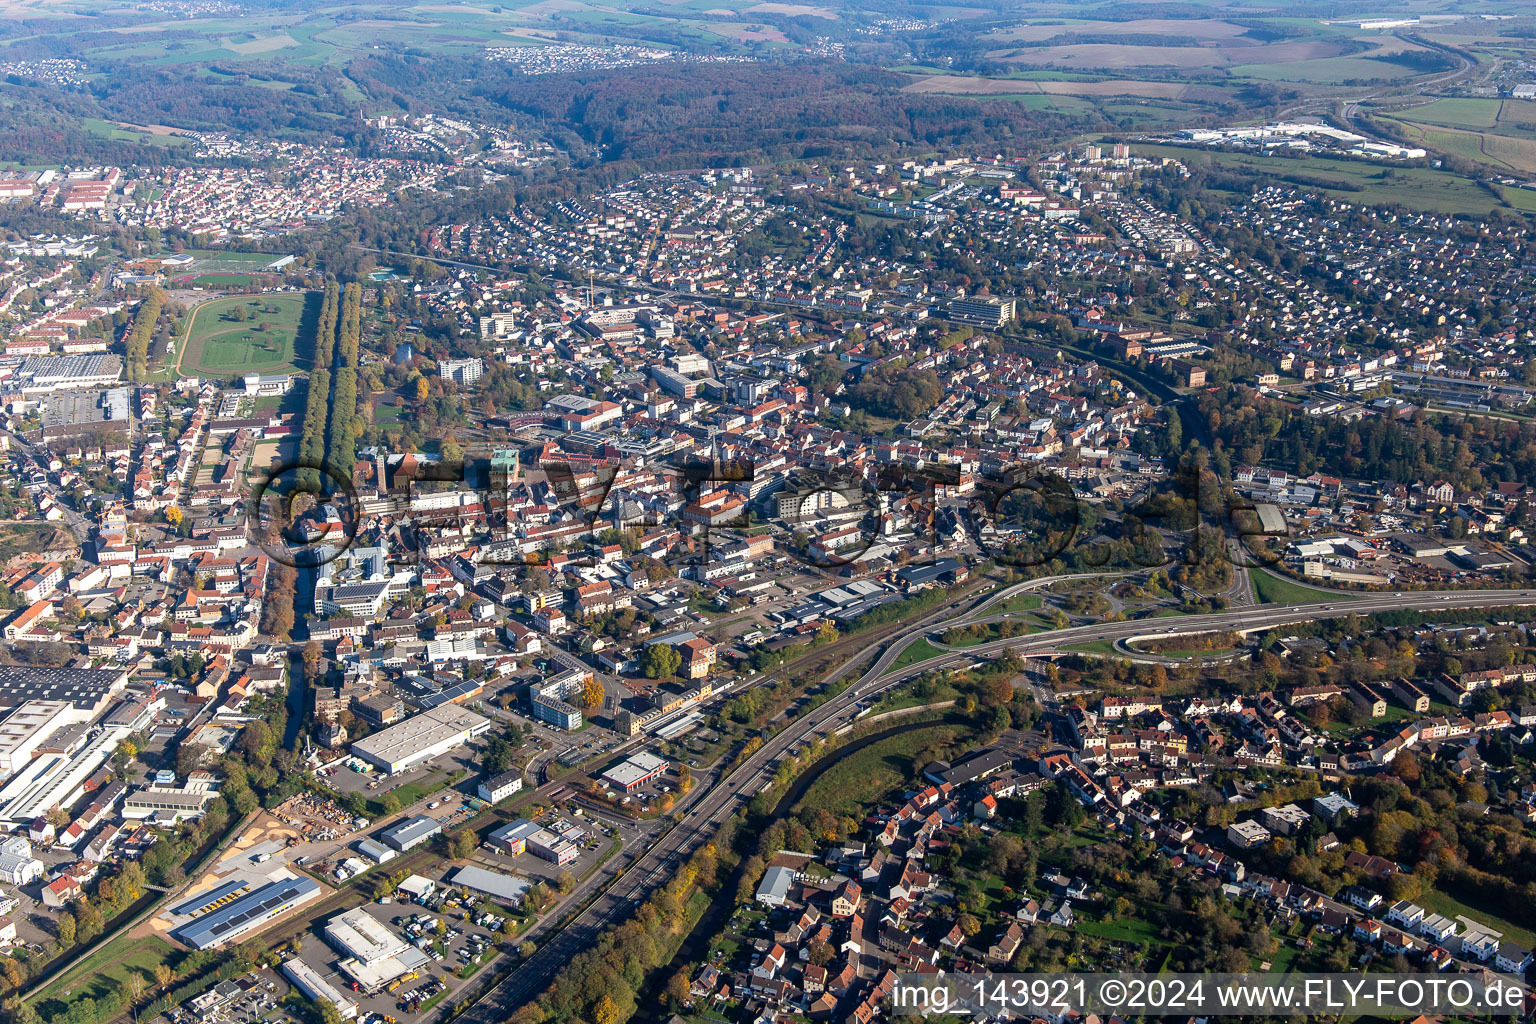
[(1049, 103), (1149, 113), (1463, 144), (1459, 112), (217, 344), (1520, 198), (1325, 71), (117, 133), (1418, 188), (1501, 133)]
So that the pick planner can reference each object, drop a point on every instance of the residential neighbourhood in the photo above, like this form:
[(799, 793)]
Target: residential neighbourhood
[(504, 549)]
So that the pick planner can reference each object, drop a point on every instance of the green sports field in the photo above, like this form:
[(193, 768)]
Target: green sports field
[(266, 341), (221, 278)]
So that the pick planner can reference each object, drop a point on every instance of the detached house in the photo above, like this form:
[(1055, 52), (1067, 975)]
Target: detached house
[(1007, 944)]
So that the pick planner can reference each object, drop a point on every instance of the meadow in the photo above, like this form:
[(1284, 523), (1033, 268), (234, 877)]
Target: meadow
[(1417, 188), (132, 133), (98, 974), (865, 776), (1336, 70), (1272, 589), (1487, 130), (219, 344)]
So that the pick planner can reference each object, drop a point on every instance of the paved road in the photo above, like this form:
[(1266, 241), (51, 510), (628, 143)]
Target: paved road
[(713, 800), (1349, 109), (1243, 620), (710, 802), (78, 524)]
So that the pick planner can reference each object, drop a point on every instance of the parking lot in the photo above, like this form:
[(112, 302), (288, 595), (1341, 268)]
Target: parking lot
[(599, 835), (250, 999), (450, 932)]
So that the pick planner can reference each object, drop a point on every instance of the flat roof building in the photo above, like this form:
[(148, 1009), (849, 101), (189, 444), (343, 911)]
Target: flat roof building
[(550, 698), (1334, 806), (492, 883), (249, 913), (167, 805), (420, 738), (411, 833), (72, 412), (86, 688), (982, 311), (308, 981), (773, 890), (636, 771), (1286, 820), (1247, 834), (25, 728), (513, 836), (521, 835), (357, 934), (56, 779), (54, 373)]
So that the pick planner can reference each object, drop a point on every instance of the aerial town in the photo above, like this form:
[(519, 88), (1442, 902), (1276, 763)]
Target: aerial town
[(441, 586)]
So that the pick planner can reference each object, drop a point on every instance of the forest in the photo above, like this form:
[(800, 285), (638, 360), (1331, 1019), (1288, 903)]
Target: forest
[(676, 117), (1470, 453), (44, 124), (898, 392)]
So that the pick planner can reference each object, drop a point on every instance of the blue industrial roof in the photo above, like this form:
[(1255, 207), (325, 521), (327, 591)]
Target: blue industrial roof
[(203, 901), (249, 911)]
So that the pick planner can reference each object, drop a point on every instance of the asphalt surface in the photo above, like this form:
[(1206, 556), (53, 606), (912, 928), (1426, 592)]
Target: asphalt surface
[(699, 812), (1237, 620), (712, 802)]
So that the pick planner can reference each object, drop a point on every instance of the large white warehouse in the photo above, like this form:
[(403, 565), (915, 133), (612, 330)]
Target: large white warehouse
[(420, 738)]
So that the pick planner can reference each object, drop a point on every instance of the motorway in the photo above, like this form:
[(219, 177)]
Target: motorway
[(698, 813), (712, 802), (1238, 620), (1349, 109)]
